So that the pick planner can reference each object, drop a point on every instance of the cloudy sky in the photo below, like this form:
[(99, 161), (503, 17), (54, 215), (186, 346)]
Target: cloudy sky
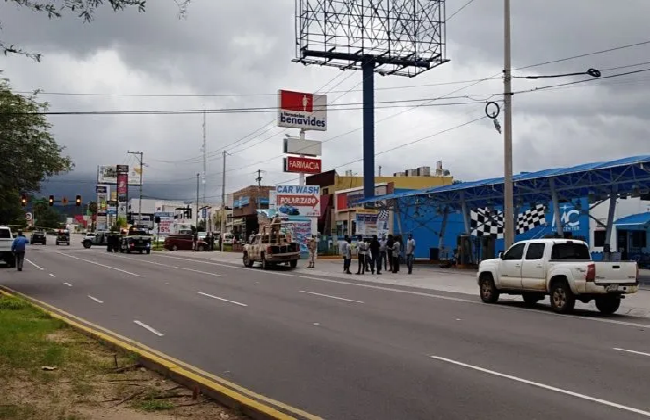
[(237, 54)]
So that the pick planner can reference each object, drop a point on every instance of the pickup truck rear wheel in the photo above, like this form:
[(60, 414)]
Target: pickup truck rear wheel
[(562, 298), (608, 304), (247, 261), (293, 263), (489, 292), (265, 264)]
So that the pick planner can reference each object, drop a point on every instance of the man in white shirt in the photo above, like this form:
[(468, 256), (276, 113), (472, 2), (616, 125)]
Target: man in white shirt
[(361, 255), (346, 250), (410, 253)]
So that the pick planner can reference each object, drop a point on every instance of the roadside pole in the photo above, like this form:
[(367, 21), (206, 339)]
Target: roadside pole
[(508, 188), (302, 175), (223, 202)]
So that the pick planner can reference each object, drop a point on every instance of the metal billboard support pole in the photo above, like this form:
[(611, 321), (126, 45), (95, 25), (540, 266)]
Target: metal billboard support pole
[(301, 181), (368, 73), (508, 188)]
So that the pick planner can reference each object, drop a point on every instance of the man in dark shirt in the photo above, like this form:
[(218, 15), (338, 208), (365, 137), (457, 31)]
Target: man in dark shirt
[(374, 255)]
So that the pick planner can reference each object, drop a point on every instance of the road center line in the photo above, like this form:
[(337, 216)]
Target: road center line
[(52, 275), (96, 263), (68, 284), (333, 297), (127, 272), (67, 255), (147, 327), (222, 299), (144, 261), (544, 386), (95, 299), (30, 261), (202, 272), (278, 274), (633, 351)]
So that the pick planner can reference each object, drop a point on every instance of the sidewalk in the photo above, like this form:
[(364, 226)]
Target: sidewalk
[(424, 277)]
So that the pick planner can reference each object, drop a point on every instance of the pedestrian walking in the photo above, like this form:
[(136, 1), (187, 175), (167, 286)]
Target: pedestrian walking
[(396, 254), (375, 255), (361, 256), (346, 250), (18, 247), (410, 253), (312, 245)]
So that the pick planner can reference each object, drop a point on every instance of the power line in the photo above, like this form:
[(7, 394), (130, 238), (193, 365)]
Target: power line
[(460, 9)]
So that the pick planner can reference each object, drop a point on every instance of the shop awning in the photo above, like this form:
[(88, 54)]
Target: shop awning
[(634, 221)]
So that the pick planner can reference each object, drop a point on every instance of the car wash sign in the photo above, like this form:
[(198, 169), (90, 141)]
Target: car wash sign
[(302, 110), (298, 200)]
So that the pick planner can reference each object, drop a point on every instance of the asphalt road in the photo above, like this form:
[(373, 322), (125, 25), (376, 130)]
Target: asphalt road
[(352, 350)]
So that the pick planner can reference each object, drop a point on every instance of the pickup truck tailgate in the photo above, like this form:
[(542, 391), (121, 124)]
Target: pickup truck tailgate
[(617, 272)]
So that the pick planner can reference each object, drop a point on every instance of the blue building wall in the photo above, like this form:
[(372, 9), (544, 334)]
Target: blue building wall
[(425, 222)]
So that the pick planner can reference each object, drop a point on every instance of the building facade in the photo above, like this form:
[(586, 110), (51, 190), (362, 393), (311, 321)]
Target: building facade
[(246, 203)]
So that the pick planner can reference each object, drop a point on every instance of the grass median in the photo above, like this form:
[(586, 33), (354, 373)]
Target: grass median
[(50, 371)]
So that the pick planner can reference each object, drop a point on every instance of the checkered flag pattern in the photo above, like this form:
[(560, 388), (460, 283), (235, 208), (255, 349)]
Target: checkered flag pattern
[(382, 215), (486, 222)]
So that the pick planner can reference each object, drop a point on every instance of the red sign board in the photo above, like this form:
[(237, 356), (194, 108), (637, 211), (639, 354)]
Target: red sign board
[(302, 165), (298, 200), (296, 101)]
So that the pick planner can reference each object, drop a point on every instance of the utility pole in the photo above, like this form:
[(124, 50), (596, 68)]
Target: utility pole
[(196, 217), (379, 170), (141, 157), (223, 201), (508, 188), (259, 187), (205, 166)]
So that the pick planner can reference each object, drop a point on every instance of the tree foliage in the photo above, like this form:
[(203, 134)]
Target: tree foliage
[(84, 9), (28, 152), (46, 216)]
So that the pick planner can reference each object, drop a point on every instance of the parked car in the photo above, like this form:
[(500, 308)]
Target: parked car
[(561, 268), (38, 237), (6, 239), (183, 243)]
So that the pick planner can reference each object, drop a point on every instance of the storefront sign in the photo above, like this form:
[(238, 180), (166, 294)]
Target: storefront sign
[(302, 165)]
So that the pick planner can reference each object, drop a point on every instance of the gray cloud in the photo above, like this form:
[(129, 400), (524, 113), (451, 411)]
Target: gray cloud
[(244, 48)]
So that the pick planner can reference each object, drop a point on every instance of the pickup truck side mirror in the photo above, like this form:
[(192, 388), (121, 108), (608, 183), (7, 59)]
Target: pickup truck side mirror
[(501, 255)]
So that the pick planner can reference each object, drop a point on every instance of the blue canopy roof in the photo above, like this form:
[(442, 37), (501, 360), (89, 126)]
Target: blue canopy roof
[(627, 176), (635, 220)]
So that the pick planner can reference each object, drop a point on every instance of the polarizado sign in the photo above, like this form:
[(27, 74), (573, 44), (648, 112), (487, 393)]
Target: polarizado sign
[(302, 165), (298, 200), (302, 110)]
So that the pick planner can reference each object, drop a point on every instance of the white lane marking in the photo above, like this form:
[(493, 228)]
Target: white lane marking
[(332, 297), (147, 327), (96, 263), (641, 353), (127, 272), (222, 299), (68, 284), (95, 299), (30, 261), (213, 296), (52, 275), (320, 279), (544, 386), (67, 255), (223, 265), (278, 274), (203, 272)]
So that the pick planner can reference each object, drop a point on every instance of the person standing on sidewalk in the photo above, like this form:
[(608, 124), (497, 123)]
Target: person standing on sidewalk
[(312, 246), (396, 254), (346, 250), (361, 255), (382, 254), (410, 253), (389, 252), (18, 247), (375, 255)]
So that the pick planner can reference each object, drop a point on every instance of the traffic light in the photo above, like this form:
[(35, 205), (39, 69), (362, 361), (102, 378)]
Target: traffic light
[(78, 200), (51, 200), (23, 200)]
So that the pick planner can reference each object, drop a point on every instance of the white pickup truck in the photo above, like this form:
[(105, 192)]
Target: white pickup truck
[(6, 239), (561, 268)]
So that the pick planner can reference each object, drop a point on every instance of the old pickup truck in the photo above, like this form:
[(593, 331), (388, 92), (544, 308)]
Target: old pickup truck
[(6, 239), (271, 249), (561, 268), (136, 240)]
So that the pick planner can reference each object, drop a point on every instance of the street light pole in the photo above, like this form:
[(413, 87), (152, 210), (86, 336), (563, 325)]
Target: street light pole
[(197, 201), (508, 188), (223, 202)]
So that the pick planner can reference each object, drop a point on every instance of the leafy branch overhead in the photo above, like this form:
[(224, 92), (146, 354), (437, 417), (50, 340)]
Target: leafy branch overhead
[(84, 9)]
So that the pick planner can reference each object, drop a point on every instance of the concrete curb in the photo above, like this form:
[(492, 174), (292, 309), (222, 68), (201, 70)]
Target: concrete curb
[(226, 393)]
